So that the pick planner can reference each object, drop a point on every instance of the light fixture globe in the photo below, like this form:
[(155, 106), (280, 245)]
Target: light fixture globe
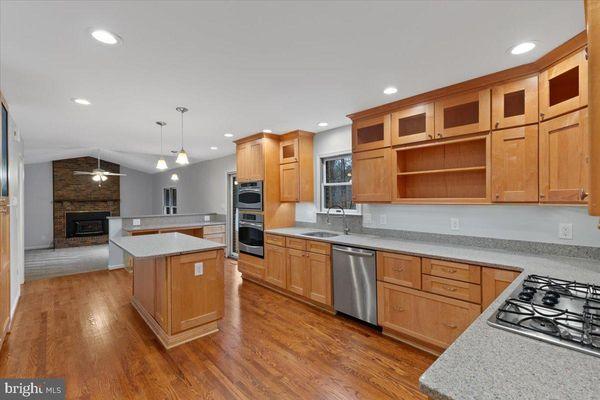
[(182, 158), (161, 164), (174, 177)]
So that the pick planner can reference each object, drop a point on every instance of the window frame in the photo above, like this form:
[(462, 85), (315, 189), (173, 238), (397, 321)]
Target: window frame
[(171, 208), (322, 183)]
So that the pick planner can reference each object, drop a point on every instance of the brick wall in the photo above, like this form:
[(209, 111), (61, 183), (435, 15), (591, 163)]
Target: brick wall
[(73, 193)]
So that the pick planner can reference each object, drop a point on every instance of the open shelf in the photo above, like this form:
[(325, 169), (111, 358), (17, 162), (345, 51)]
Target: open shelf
[(443, 171)]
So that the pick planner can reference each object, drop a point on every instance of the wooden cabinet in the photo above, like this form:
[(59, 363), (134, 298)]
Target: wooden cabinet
[(470, 292), (275, 239), (564, 86), (452, 270), (399, 269), (515, 103), (251, 266), (564, 158), (371, 133), (216, 233), (429, 318), (593, 35), (515, 165), (493, 283), (413, 124), (289, 182), (296, 169), (250, 161), (275, 265), (295, 243), (319, 276), (462, 114), (297, 272), (371, 176), (4, 269)]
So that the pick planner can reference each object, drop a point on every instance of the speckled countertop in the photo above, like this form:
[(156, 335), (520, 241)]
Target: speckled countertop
[(164, 244), (486, 362), (171, 226)]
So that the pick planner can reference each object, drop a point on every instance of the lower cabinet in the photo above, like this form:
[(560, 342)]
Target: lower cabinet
[(493, 283), (275, 265), (319, 276), (429, 318), (251, 266), (297, 272)]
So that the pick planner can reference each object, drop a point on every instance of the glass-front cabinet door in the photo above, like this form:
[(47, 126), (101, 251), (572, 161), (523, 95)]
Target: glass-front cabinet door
[(372, 133), (413, 124), (462, 114)]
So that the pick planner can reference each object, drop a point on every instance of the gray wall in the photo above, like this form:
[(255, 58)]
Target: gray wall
[(202, 187), (136, 192), (38, 205), (518, 222)]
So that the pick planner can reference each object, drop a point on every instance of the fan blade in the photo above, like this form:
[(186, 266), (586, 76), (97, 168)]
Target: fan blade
[(113, 174), (83, 173)]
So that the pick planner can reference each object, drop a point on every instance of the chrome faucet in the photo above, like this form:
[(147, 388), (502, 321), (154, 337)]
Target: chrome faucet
[(346, 229)]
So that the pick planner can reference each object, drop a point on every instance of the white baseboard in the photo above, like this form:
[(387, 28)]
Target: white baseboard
[(39, 247), (14, 308), (118, 266)]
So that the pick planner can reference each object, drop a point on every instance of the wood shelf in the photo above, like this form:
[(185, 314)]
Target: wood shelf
[(442, 171)]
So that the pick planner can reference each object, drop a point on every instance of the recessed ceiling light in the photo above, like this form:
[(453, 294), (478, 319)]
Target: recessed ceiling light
[(390, 90), (228, 135), (323, 124), (106, 37), (267, 131), (79, 100), (522, 48), (214, 148)]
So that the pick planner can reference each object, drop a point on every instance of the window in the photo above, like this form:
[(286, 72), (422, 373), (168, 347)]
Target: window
[(336, 184), (170, 200)]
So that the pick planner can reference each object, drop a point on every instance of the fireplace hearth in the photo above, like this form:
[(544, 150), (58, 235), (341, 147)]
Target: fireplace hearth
[(86, 224)]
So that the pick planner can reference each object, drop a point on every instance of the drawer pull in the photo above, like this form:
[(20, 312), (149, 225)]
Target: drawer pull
[(449, 270), (398, 269), (451, 326), (449, 288), (398, 308)]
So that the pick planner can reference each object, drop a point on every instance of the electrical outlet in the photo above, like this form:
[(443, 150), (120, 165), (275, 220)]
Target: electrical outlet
[(206, 218), (454, 224), (383, 219), (136, 222), (367, 219), (198, 269), (565, 231)]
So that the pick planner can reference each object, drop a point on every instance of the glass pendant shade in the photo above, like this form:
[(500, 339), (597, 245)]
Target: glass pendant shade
[(96, 178), (174, 177), (182, 158), (161, 164)]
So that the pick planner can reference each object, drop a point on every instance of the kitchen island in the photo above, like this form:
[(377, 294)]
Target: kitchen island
[(177, 284)]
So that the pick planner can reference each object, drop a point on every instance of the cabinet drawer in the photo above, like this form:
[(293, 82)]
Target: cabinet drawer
[(275, 239), (451, 288), (318, 247), (294, 243), (217, 237), (211, 229), (399, 269), (452, 270), (424, 316), (251, 266)]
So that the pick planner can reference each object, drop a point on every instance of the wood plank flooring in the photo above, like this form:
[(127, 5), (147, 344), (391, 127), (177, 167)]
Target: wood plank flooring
[(83, 328)]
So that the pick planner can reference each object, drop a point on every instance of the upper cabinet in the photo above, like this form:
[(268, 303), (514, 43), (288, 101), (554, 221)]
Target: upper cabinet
[(371, 133), (564, 86), (564, 158), (250, 161), (462, 114), (515, 103), (371, 176), (413, 124), (296, 169)]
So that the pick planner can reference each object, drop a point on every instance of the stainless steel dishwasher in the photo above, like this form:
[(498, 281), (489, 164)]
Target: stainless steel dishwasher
[(354, 283)]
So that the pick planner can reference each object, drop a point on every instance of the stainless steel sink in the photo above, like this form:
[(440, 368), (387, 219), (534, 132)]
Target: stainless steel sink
[(320, 234)]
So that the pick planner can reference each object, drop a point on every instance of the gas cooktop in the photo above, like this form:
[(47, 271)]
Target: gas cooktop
[(565, 313)]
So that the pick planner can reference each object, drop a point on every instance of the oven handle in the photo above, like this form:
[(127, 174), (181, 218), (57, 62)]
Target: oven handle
[(251, 224), (240, 191)]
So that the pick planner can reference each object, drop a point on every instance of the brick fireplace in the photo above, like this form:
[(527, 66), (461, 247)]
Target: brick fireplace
[(76, 197)]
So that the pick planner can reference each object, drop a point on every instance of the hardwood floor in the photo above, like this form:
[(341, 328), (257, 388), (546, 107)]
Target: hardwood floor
[(83, 328)]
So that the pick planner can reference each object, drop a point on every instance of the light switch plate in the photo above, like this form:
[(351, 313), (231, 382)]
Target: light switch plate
[(565, 231), (206, 218), (454, 224), (136, 222), (198, 269)]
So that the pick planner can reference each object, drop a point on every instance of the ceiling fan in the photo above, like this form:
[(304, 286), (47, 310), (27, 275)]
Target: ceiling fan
[(98, 174)]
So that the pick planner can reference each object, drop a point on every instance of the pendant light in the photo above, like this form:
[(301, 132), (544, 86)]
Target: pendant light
[(161, 164), (174, 177), (182, 157)]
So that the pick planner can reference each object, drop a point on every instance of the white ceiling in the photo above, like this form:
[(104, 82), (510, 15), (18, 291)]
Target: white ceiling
[(244, 66)]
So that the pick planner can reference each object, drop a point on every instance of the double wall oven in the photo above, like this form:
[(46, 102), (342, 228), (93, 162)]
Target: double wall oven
[(250, 220)]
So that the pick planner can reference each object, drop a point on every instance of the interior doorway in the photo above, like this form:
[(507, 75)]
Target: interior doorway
[(232, 216)]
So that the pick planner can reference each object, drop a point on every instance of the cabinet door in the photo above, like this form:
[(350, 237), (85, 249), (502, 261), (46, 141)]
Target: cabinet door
[(197, 297), (161, 302), (319, 270), (4, 268), (493, 283), (288, 151), (462, 114), (256, 160), (297, 275), (242, 156), (413, 124), (515, 164), (564, 86), (371, 176), (289, 183), (399, 269), (564, 158), (371, 133), (426, 317), (515, 103), (275, 265)]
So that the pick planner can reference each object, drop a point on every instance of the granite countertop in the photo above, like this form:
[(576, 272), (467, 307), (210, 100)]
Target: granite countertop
[(487, 362), (164, 244), (158, 215), (171, 226)]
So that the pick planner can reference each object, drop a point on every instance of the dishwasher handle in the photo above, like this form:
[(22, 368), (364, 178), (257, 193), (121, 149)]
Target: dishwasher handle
[(362, 253)]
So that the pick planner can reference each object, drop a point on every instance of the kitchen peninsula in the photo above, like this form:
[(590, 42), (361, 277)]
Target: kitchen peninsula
[(177, 284)]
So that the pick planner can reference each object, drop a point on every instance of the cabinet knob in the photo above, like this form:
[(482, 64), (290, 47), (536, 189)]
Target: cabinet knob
[(497, 125), (398, 308), (497, 196), (583, 194), (449, 270), (398, 269), (450, 289), (542, 115), (542, 195), (451, 326), (430, 136), (439, 135)]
